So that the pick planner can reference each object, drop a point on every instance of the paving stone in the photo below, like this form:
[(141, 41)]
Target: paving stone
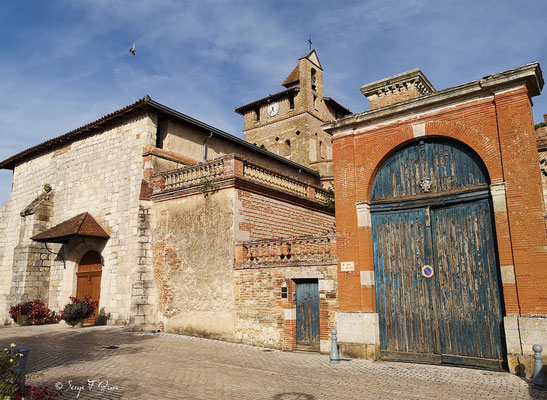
[(166, 366)]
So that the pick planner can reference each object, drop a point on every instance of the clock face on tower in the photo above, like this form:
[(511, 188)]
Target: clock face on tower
[(273, 109)]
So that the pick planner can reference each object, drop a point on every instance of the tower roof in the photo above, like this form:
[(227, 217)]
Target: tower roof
[(293, 78), (312, 56)]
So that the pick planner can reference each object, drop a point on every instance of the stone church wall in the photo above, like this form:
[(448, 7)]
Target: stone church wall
[(100, 174), (4, 212), (309, 144)]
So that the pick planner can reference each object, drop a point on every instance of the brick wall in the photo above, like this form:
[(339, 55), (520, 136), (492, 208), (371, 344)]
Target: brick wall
[(397, 97), (261, 217), (265, 318), (510, 156), (542, 150)]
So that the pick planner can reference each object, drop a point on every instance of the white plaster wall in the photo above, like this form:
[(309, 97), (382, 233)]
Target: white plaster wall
[(100, 174)]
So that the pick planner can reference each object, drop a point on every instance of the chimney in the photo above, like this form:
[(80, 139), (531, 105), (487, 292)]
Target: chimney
[(397, 88)]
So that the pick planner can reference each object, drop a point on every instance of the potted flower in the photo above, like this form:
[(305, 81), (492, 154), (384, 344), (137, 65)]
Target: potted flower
[(78, 310), (19, 313), (33, 312)]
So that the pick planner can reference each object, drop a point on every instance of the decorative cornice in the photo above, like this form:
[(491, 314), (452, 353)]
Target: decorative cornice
[(396, 84), (529, 76)]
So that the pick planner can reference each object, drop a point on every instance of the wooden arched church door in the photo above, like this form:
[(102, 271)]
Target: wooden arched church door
[(435, 258), (89, 279)]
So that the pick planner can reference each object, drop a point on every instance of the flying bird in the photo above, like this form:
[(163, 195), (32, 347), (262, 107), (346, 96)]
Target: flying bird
[(132, 49)]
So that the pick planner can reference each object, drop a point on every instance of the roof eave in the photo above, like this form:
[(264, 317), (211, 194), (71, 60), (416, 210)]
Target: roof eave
[(227, 136), (241, 109), (90, 128)]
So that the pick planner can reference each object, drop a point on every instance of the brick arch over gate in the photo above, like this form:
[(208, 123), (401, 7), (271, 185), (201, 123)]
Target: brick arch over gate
[(486, 147)]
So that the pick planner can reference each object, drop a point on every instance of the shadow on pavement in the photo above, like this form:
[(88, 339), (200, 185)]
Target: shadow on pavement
[(293, 396), (61, 348)]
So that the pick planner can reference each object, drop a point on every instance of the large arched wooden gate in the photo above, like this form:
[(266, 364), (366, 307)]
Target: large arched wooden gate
[(430, 207)]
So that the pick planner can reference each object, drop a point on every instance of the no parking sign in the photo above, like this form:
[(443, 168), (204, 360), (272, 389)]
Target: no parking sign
[(427, 271)]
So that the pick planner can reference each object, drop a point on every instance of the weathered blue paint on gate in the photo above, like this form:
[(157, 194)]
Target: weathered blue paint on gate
[(447, 165), (467, 281), (307, 314), (403, 295), (430, 206)]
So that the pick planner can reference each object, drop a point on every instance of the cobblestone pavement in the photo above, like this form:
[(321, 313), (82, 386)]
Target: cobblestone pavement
[(134, 365)]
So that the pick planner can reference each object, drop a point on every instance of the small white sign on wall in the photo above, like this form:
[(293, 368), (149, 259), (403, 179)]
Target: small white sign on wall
[(347, 266)]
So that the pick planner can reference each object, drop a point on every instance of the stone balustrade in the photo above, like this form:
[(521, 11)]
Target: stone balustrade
[(285, 251), (206, 175), (193, 175), (270, 178)]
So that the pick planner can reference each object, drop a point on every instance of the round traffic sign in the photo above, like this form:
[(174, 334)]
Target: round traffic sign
[(427, 271)]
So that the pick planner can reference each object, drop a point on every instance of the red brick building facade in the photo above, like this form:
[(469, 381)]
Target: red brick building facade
[(489, 121)]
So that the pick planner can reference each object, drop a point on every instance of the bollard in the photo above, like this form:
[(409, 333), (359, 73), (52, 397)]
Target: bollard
[(539, 374), (334, 356), (20, 369)]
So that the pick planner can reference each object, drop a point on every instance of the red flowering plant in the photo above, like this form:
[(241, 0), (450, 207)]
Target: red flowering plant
[(78, 310), (37, 393), (36, 311)]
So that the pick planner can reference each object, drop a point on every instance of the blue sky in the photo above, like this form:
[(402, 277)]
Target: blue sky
[(66, 63)]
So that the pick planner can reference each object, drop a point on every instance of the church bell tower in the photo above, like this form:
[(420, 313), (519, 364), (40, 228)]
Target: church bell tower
[(288, 122)]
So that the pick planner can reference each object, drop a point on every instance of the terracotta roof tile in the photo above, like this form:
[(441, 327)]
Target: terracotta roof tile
[(293, 77), (82, 225), (70, 136)]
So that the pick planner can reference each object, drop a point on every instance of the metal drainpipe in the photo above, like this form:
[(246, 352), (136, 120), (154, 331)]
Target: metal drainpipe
[(205, 146)]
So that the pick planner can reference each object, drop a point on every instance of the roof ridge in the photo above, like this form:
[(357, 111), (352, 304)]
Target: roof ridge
[(9, 163), (85, 214)]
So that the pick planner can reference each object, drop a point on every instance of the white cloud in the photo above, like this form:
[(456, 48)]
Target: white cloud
[(206, 57)]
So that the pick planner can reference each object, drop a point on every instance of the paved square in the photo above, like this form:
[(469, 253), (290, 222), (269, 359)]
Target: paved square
[(134, 365)]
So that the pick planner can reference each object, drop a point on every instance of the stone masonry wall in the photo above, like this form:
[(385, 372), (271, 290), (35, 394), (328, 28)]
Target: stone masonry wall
[(193, 257), (4, 279), (309, 144), (100, 174), (31, 265)]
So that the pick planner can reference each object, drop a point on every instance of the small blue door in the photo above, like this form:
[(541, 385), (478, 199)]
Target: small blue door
[(307, 314), (435, 259)]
